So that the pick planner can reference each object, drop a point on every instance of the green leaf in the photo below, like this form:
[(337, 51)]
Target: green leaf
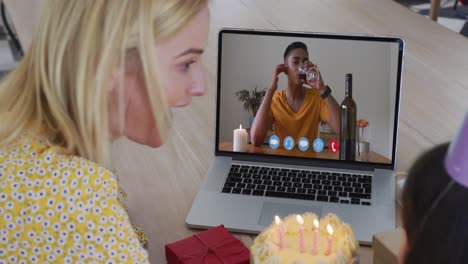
[(251, 99)]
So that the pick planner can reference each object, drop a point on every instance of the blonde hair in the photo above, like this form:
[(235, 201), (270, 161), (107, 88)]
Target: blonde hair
[(62, 83)]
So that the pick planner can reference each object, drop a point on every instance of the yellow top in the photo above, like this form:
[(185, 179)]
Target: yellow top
[(303, 123), (56, 208)]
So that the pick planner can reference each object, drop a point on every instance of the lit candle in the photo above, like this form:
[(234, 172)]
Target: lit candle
[(316, 232), (330, 237), (280, 231), (301, 233), (240, 139)]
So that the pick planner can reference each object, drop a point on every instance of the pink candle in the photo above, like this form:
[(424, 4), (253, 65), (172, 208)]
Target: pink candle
[(315, 242), (330, 238), (280, 231), (301, 233)]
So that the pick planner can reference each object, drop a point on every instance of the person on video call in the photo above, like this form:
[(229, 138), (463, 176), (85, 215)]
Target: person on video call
[(296, 111)]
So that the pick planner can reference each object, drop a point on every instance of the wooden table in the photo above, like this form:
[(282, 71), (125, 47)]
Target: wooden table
[(161, 183), (296, 152)]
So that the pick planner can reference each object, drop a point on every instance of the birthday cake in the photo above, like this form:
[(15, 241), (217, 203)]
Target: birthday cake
[(298, 240)]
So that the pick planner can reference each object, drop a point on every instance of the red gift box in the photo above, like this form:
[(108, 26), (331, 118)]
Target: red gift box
[(212, 246)]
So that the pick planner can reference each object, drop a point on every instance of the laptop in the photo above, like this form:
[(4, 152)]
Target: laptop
[(248, 183)]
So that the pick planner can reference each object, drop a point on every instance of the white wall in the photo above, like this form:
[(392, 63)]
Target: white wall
[(249, 61)]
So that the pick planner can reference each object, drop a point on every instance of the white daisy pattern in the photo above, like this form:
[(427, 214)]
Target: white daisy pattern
[(57, 208)]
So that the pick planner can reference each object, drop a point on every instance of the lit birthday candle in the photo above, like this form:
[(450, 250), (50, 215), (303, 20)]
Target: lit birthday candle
[(315, 242), (301, 233), (330, 239), (280, 231)]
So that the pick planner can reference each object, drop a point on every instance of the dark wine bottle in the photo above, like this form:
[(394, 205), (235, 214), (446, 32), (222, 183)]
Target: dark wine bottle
[(348, 123)]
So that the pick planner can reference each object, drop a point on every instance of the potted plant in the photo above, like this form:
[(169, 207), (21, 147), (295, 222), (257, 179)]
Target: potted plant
[(252, 100)]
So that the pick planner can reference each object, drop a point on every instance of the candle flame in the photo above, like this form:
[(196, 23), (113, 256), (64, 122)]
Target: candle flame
[(240, 126), (300, 220), (330, 230), (316, 223), (277, 220)]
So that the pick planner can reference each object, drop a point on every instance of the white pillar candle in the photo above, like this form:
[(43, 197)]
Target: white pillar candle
[(240, 139)]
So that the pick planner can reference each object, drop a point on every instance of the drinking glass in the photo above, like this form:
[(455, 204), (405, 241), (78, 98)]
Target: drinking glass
[(310, 74)]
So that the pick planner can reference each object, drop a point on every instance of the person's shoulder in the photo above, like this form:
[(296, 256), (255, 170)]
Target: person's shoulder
[(53, 166), (90, 174), (23, 150), (313, 97), (280, 92), (33, 150), (83, 194), (279, 95)]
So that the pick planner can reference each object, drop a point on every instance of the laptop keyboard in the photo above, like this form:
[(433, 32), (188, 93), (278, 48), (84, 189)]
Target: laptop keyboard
[(322, 186)]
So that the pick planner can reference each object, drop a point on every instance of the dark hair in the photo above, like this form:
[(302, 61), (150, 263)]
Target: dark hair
[(439, 234), (293, 46)]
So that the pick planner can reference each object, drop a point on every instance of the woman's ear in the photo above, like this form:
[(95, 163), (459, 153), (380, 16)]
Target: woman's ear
[(403, 248), (125, 74), (115, 126), (120, 82), (114, 79)]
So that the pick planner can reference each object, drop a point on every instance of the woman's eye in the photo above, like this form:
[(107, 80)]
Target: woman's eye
[(186, 66)]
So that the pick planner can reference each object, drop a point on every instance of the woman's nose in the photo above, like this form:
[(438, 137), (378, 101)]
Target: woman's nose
[(197, 89), (198, 86)]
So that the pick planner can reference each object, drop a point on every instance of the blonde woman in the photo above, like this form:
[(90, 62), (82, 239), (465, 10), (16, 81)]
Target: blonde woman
[(96, 71)]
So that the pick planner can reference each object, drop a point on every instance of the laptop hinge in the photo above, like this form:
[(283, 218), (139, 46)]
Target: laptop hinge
[(307, 163)]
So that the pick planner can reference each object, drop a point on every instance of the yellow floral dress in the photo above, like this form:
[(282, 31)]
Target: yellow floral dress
[(56, 208)]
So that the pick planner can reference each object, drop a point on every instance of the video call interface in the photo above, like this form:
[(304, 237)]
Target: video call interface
[(293, 118)]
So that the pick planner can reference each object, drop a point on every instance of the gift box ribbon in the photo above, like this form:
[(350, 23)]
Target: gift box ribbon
[(212, 249)]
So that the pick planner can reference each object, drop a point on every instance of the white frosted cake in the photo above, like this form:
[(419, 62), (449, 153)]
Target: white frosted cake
[(281, 242)]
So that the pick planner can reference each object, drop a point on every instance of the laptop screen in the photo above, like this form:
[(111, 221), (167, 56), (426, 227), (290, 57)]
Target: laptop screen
[(308, 96)]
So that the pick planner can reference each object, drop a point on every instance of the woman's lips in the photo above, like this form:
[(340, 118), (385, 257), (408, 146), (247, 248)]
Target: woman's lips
[(182, 103)]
